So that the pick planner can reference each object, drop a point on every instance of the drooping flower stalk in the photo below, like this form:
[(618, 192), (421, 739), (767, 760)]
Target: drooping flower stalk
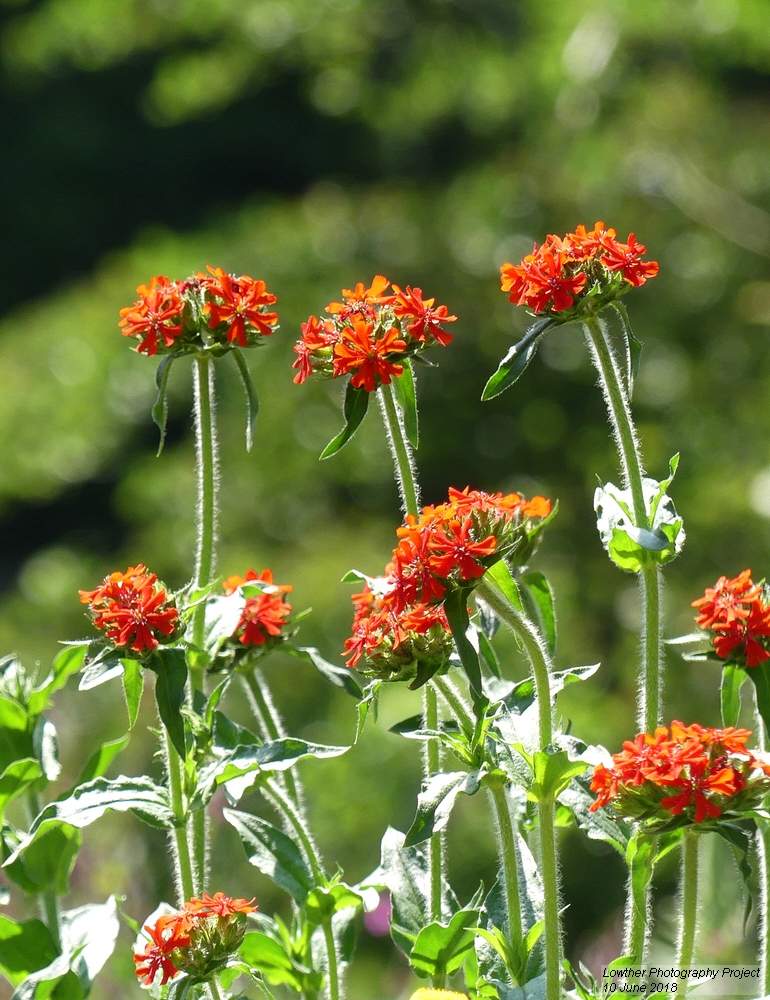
[(539, 660), (403, 462), (688, 919)]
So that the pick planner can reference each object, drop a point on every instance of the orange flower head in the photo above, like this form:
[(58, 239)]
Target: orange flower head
[(366, 356), (263, 579), (727, 600), (239, 304), (151, 318), (262, 619), (219, 905), (423, 320), (132, 609), (167, 935), (557, 276)]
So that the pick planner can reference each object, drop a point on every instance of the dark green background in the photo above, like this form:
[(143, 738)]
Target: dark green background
[(314, 143)]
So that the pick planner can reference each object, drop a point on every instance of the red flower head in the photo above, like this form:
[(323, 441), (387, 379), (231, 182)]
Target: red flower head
[(263, 579), (367, 356), (167, 934), (262, 618), (218, 905), (556, 276), (736, 614), (363, 335), (693, 772), (423, 321), (132, 609), (151, 317), (241, 307)]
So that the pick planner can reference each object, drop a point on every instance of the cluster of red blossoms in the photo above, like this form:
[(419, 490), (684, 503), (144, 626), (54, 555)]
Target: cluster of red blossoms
[(368, 334), (214, 309), (263, 616), (566, 268), (693, 772), (736, 612), (449, 546), (195, 939), (132, 609)]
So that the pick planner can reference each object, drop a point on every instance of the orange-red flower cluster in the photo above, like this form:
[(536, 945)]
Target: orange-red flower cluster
[(201, 933), (450, 545), (565, 270), (264, 615), (368, 335), (693, 772), (214, 309), (132, 609), (736, 612)]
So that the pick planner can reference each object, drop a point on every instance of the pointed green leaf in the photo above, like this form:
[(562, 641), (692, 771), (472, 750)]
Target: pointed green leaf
[(598, 825), (501, 575), (66, 662), (440, 949), (405, 873), (633, 348), (516, 360), (542, 609), (355, 407), (456, 608), (552, 774), (733, 679), (17, 777), (274, 853), (170, 666), (252, 403), (160, 407), (434, 805), (760, 675), (322, 903), (98, 763), (741, 845), (24, 948), (339, 676), (133, 686), (487, 650), (47, 862), (406, 394)]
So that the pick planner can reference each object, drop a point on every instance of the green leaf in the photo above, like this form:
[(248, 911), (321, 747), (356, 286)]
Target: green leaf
[(133, 686), (633, 348), (252, 402), (542, 610), (339, 676), (522, 694), (278, 755), (597, 825), (170, 666), (435, 802), (24, 948), (273, 853), (45, 743), (487, 651), (48, 861), (102, 668), (406, 394), (160, 407), (741, 845), (66, 662), (552, 774), (405, 873), (91, 801), (760, 675), (322, 903), (501, 575), (456, 608), (517, 359), (16, 778), (15, 733), (270, 958), (440, 949), (98, 763), (88, 936), (733, 679), (355, 407)]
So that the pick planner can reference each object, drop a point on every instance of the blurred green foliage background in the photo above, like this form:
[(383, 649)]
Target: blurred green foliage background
[(314, 143)]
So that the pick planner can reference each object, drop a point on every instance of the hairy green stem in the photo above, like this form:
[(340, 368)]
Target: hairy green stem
[(432, 764), (537, 654), (649, 709), (635, 934), (539, 660), (763, 857), (271, 725), (214, 989), (280, 800), (402, 453), (47, 900), (509, 861), (456, 702), (689, 891), (549, 873), (185, 880), (206, 454)]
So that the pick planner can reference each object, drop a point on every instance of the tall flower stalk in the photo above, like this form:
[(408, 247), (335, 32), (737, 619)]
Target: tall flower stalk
[(575, 279)]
